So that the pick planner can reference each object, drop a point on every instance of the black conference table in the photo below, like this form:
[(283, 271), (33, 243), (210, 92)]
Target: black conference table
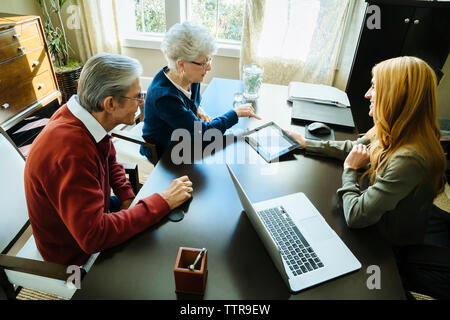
[(238, 265)]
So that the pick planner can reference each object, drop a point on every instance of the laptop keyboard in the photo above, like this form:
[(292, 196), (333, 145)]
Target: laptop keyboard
[(295, 250)]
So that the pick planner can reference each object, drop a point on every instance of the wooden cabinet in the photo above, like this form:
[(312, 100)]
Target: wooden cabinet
[(408, 28), (27, 78)]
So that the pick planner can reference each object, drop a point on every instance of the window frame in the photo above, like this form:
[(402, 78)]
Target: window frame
[(176, 11)]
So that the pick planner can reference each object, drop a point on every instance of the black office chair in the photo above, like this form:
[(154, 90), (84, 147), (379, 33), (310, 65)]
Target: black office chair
[(425, 268)]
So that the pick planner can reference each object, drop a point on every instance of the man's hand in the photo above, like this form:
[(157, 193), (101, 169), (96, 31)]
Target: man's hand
[(202, 115), (126, 204), (358, 158), (178, 192)]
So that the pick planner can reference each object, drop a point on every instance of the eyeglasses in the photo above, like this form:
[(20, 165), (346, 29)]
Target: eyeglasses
[(203, 65), (140, 97)]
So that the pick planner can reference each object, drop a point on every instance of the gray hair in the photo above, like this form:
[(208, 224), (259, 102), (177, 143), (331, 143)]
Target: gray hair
[(187, 41), (106, 75)]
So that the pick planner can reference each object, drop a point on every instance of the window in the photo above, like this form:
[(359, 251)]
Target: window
[(224, 18), (284, 22), (150, 16)]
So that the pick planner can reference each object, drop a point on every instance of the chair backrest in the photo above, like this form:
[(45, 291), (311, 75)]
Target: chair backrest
[(13, 211), (27, 269)]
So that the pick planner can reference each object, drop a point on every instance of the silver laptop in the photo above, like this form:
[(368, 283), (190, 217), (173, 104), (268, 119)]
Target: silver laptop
[(303, 247)]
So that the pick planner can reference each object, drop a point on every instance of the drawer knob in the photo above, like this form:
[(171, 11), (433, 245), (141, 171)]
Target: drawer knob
[(21, 48), (416, 21), (35, 63), (407, 20), (16, 36), (41, 85), (5, 106)]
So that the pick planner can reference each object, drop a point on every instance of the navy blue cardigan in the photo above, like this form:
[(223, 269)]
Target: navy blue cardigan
[(167, 108)]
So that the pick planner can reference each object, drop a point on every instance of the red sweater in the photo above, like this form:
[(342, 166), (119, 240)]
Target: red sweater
[(68, 180)]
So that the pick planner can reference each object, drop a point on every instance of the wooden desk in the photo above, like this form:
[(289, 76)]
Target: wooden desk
[(239, 266)]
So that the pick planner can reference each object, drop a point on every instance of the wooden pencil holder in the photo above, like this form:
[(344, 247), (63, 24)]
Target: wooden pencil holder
[(186, 280)]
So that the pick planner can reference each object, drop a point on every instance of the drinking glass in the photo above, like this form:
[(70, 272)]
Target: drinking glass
[(253, 76)]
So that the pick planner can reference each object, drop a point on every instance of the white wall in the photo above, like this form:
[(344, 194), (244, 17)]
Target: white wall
[(20, 7), (226, 67), (153, 60), (444, 92)]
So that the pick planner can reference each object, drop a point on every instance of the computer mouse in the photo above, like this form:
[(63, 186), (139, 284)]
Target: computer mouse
[(319, 128), (176, 215)]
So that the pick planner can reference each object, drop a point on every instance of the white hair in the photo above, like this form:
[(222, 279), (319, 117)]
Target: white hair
[(106, 75), (187, 41)]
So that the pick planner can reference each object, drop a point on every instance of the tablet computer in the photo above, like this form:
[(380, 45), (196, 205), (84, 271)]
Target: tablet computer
[(270, 141)]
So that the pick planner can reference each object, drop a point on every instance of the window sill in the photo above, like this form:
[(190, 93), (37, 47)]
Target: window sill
[(154, 42)]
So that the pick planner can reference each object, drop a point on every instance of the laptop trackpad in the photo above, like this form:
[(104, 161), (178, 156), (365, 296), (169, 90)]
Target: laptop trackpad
[(316, 229)]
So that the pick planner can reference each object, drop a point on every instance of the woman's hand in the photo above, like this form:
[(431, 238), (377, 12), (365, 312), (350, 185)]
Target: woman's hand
[(178, 192), (358, 158), (297, 137), (246, 110), (202, 115)]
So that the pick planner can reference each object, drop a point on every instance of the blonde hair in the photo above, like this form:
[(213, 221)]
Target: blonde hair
[(405, 116)]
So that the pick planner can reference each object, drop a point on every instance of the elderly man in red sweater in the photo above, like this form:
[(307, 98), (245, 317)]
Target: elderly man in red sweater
[(72, 167)]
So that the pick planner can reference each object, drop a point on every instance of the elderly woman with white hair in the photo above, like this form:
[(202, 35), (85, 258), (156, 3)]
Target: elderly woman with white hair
[(173, 98)]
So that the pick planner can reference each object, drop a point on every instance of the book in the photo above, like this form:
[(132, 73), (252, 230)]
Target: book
[(317, 93)]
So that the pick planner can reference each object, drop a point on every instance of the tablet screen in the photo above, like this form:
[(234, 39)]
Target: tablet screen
[(271, 141)]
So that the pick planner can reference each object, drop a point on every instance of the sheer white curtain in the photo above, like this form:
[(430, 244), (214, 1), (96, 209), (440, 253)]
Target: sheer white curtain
[(98, 30), (294, 40)]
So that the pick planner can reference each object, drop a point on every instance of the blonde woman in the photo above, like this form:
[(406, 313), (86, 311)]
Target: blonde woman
[(403, 160)]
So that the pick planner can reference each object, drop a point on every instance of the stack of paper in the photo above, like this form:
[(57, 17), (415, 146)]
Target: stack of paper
[(318, 93)]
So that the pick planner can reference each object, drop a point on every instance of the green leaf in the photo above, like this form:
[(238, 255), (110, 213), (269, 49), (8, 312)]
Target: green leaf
[(61, 3), (40, 2)]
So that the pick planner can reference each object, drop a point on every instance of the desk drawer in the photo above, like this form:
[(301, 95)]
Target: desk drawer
[(43, 84), (18, 33), (23, 68), (24, 94), (20, 48)]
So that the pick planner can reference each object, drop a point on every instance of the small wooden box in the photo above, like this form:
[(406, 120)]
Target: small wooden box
[(186, 280)]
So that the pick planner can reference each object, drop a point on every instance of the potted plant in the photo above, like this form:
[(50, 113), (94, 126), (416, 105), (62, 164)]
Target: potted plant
[(67, 69)]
